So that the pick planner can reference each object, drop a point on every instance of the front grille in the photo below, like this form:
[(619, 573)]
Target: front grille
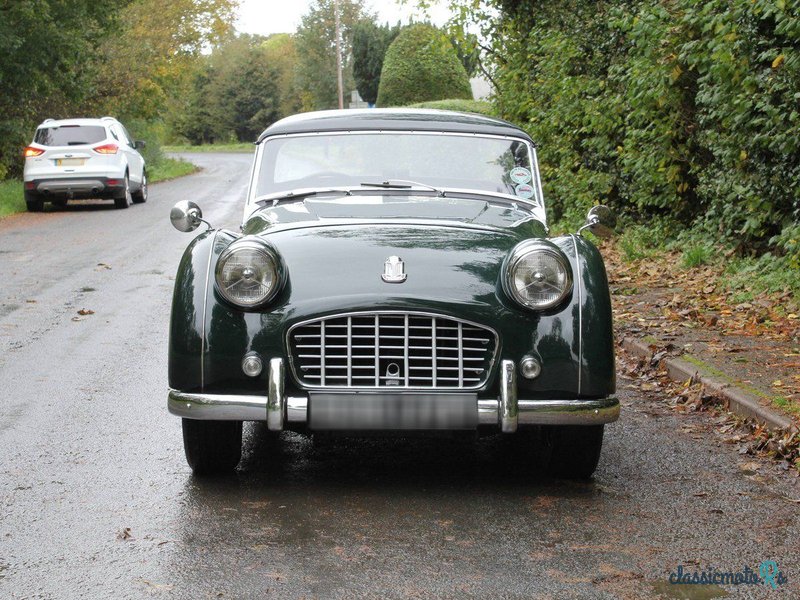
[(391, 350)]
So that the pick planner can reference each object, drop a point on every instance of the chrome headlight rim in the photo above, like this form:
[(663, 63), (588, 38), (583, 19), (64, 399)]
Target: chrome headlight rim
[(262, 247), (521, 251)]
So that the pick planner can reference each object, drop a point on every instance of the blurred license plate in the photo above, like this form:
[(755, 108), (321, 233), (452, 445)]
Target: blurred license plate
[(393, 411), (70, 162)]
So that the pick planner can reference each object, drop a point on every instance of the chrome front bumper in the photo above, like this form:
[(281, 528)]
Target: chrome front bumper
[(506, 412)]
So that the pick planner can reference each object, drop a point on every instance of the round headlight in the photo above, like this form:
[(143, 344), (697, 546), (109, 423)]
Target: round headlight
[(537, 276), (248, 273)]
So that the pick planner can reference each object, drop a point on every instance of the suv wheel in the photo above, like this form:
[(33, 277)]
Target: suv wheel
[(123, 199), (140, 195), (34, 202)]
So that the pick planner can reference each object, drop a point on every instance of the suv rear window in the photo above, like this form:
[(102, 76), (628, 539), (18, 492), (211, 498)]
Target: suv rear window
[(70, 135)]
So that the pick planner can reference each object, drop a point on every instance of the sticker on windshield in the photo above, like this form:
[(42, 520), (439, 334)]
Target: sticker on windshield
[(520, 175), (523, 190)]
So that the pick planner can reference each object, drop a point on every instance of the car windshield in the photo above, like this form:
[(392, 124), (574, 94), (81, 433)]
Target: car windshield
[(70, 135), (454, 161)]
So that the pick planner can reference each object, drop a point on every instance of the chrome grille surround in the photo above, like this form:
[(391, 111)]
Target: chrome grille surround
[(390, 350)]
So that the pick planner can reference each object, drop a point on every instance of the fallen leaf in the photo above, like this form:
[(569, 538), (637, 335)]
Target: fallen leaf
[(85, 311)]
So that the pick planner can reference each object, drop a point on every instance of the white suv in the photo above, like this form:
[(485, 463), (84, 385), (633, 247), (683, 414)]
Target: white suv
[(83, 158)]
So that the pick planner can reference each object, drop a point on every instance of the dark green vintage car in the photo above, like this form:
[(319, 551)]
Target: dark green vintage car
[(393, 273)]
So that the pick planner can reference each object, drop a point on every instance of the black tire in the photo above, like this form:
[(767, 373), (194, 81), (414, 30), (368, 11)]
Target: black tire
[(34, 202), (212, 447), (123, 198), (140, 195), (575, 450)]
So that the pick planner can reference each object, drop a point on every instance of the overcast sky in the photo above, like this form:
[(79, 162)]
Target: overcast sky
[(283, 16)]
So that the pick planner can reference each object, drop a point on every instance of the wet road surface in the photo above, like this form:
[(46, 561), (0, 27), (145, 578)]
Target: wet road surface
[(96, 500)]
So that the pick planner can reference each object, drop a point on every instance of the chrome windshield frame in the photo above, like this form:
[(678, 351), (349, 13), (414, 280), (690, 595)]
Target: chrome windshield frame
[(535, 204)]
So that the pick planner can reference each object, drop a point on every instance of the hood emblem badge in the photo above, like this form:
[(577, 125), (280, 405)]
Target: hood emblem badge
[(394, 270)]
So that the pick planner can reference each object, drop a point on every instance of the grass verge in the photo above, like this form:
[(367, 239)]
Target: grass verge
[(12, 199), (243, 148), (170, 168)]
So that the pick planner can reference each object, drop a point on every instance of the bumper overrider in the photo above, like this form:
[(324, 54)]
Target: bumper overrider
[(389, 410)]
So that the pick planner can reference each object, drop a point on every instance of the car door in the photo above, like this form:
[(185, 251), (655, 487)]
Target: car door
[(135, 160)]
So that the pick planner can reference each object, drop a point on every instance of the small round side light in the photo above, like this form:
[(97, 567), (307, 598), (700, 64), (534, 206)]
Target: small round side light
[(530, 367), (252, 365)]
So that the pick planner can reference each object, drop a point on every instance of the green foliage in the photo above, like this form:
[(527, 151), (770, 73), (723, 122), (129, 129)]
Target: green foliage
[(789, 242), (47, 48), (244, 89), (243, 148), (696, 255), (421, 65), (370, 42), (280, 52), (125, 58), (468, 51), (234, 94), (11, 197), (460, 105), (683, 109), (143, 66), (316, 51), (170, 168), (638, 242), (750, 276)]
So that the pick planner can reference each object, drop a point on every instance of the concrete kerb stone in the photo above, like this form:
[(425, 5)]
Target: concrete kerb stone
[(738, 401)]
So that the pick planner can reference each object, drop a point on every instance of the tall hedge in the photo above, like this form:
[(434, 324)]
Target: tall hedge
[(421, 65), (676, 107)]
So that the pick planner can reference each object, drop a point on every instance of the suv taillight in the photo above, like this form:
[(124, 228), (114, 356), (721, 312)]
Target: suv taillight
[(106, 149), (30, 152)]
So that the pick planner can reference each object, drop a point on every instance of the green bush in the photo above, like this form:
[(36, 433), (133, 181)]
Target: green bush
[(682, 109), (469, 106), (421, 65)]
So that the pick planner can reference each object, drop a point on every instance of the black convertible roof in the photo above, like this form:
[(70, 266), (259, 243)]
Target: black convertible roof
[(392, 119)]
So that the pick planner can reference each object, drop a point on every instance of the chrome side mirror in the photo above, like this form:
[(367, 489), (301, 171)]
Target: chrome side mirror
[(186, 216), (601, 221)]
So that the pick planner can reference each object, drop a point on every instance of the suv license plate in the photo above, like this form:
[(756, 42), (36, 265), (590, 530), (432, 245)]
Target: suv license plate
[(70, 162)]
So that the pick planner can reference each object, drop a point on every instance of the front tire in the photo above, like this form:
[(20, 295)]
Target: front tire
[(140, 195), (124, 199), (212, 447), (34, 202), (575, 450)]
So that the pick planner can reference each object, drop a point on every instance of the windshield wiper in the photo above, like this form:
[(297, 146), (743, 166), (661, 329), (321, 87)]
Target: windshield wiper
[(276, 198), (403, 184)]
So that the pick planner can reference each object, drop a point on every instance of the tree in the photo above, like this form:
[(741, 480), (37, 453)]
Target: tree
[(468, 51), (370, 43), (234, 94), (421, 65), (281, 53), (244, 89), (152, 54), (316, 51), (47, 47)]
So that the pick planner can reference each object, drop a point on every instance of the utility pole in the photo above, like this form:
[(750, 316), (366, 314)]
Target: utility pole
[(339, 54)]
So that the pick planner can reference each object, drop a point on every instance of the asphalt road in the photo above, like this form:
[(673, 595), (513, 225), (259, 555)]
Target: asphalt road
[(96, 500)]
